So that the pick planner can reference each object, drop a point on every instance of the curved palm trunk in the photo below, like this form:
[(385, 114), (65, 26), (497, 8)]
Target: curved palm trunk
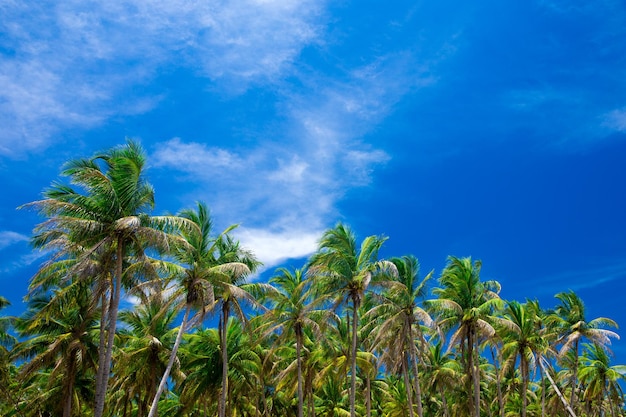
[(112, 323), (223, 346), (170, 363)]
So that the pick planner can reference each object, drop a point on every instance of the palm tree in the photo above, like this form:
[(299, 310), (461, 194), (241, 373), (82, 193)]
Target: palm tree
[(444, 373), (61, 336), (105, 217), (231, 292), (601, 379), (201, 266), (400, 317), (466, 303), (570, 322), (145, 344), (521, 339), (292, 311), (7, 341), (344, 271)]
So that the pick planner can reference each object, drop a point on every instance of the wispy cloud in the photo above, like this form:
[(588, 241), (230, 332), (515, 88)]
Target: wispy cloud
[(588, 277), (285, 189), (8, 238), (69, 64), (615, 120)]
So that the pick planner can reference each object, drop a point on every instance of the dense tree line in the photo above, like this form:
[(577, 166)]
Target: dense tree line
[(347, 334)]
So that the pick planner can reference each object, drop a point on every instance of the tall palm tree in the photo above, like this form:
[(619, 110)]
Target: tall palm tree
[(466, 304), (344, 271), (231, 294), (400, 317), (105, 216), (292, 311), (201, 265), (571, 324), (521, 339)]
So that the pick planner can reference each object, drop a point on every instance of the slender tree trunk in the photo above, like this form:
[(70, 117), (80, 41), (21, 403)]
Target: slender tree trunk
[(498, 382), (355, 326), (299, 362), (112, 323), (224, 347), (444, 403), (525, 376), (407, 383), (413, 360), (70, 377), (170, 363), (573, 399), (105, 303), (543, 392), (472, 371), (557, 390), (476, 376)]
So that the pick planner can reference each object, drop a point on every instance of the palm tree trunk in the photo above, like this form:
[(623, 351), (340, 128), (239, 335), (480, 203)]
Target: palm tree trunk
[(407, 383), (69, 394), (223, 346), (525, 376), (112, 323), (472, 371), (498, 382), (557, 390), (105, 303), (299, 362), (413, 359), (170, 363), (573, 397), (355, 326)]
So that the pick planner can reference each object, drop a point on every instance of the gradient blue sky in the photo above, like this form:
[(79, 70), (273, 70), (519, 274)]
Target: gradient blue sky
[(489, 129)]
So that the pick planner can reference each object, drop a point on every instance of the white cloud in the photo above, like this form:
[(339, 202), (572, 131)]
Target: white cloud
[(70, 64), (615, 120), (8, 238), (274, 247)]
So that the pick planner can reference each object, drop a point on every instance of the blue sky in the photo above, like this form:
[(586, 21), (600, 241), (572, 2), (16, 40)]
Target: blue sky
[(495, 130)]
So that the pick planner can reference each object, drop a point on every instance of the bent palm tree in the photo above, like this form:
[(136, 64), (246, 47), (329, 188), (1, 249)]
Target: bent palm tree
[(572, 326), (202, 266)]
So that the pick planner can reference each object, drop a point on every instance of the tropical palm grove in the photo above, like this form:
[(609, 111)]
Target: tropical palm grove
[(347, 334)]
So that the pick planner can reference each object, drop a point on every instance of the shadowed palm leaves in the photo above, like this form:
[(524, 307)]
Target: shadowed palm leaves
[(344, 271), (105, 218), (61, 331), (466, 303)]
